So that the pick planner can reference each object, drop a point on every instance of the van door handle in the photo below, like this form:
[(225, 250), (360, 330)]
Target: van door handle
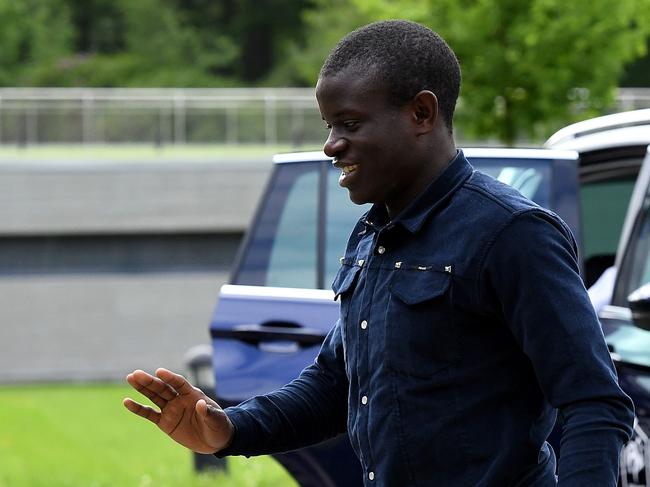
[(254, 334)]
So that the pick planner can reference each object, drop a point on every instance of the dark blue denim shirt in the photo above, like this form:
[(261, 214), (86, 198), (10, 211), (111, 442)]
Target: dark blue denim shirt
[(464, 327)]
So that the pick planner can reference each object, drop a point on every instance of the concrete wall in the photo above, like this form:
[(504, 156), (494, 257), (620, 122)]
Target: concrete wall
[(82, 197), (100, 326)]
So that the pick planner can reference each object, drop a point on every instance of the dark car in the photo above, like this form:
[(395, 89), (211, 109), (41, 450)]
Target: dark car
[(626, 325)]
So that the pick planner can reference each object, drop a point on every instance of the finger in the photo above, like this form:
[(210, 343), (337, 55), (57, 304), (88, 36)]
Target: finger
[(140, 377), (178, 382), (140, 380), (153, 396), (144, 411)]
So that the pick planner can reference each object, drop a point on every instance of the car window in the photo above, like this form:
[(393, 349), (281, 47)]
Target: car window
[(342, 215), (603, 205), (637, 260), (293, 250), (282, 247)]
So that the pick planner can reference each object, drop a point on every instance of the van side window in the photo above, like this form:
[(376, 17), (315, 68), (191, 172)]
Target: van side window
[(292, 262), (603, 205), (342, 215), (282, 248)]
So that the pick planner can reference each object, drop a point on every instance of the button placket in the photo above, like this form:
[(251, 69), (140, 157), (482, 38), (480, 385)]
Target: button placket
[(368, 269)]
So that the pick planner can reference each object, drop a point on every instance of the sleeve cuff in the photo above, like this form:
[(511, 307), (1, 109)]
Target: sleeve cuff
[(237, 445)]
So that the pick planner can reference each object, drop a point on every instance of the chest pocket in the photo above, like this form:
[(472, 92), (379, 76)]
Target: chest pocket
[(421, 336)]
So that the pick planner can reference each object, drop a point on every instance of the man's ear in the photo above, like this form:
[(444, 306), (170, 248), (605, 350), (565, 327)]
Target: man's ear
[(425, 111)]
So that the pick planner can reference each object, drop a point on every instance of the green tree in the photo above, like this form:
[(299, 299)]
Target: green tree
[(185, 43), (168, 50), (143, 43), (34, 33), (528, 67), (98, 26), (260, 28), (324, 24), (637, 74)]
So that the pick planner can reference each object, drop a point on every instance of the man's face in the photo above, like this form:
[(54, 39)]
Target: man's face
[(372, 142)]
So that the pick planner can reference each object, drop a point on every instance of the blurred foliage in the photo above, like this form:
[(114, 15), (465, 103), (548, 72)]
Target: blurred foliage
[(325, 23), (32, 34), (637, 73), (148, 43), (528, 67)]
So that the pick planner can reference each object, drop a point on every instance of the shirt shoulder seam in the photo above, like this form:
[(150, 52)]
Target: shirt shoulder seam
[(489, 243), (478, 189)]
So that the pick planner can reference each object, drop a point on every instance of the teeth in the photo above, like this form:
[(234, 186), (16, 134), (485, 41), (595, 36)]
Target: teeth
[(349, 169)]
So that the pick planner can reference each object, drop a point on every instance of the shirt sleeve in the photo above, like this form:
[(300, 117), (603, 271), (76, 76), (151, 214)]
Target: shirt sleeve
[(531, 278), (308, 410)]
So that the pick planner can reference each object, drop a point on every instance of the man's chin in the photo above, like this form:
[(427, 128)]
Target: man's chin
[(357, 198)]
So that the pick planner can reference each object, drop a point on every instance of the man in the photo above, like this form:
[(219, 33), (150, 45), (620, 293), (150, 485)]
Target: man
[(464, 323)]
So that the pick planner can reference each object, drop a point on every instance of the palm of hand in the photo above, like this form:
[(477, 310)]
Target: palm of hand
[(186, 414)]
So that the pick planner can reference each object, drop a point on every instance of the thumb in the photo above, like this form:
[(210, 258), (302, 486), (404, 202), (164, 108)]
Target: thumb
[(202, 409), (218, 431), (208, 413)]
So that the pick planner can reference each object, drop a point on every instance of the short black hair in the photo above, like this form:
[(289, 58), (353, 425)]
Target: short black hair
[(407, 56)]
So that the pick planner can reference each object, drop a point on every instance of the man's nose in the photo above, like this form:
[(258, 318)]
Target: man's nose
[(334, 144)]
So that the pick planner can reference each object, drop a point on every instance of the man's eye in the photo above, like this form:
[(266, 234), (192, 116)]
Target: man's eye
[(328, 126), (351, 124)]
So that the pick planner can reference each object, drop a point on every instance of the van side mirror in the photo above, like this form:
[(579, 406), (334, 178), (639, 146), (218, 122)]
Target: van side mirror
[(639, 304)]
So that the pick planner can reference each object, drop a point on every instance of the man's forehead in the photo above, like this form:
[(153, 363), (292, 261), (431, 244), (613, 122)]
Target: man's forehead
[(353, 78)]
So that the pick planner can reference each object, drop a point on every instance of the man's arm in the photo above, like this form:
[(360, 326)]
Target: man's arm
[(531, 271), (308, 410)]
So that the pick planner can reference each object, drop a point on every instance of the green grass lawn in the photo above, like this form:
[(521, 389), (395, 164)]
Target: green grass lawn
[(142, 152), (81, 435)]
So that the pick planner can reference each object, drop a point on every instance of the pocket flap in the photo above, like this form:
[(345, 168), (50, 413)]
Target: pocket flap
[(416, 286), (344, 279)]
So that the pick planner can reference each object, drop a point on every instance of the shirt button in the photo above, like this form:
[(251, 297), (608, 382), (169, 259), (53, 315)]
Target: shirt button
[(381, 249), (364, 324), (364, 400), (371, 475), (361, 261)]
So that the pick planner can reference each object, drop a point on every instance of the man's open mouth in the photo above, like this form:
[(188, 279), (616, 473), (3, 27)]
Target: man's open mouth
[(349, 169)]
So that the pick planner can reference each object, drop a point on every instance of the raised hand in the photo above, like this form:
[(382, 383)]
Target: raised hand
[(186, 414)]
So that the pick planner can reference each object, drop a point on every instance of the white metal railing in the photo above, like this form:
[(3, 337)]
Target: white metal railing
[(161, 116), (165, 116), (632, 98)]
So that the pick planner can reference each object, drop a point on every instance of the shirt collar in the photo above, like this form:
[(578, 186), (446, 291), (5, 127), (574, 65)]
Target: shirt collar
[(414, 215)]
